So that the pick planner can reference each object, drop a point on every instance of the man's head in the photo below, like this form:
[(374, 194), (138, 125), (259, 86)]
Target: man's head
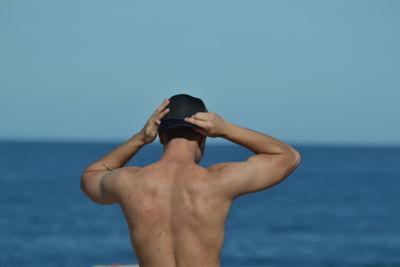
[(173, 124)]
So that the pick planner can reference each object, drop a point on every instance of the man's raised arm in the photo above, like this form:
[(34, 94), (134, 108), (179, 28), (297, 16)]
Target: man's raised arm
[(98, 179), (274, 160)]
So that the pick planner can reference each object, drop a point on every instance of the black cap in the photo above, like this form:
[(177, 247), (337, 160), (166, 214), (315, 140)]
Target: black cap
[(180, 107)]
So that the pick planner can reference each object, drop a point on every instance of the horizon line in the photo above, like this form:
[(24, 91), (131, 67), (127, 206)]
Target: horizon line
[(210, 141)]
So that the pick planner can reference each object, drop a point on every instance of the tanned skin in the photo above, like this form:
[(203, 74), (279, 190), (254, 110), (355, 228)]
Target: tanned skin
[(175, 209)]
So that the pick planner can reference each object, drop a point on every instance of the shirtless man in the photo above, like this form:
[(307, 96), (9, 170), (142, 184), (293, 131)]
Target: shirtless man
[(176, 209)]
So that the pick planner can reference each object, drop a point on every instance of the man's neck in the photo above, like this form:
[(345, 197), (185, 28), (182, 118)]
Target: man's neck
[(181, 151)]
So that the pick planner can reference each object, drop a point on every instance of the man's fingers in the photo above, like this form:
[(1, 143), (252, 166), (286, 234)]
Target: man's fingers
[(161, 110), (201, 116), (157, 117), (160, 115), (201, 124), (163, 105)]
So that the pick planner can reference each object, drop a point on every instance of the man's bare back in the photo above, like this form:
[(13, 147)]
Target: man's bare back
[(176, 214), (175, 209)]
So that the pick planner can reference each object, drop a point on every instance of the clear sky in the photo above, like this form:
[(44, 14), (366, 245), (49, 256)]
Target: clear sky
[(305, 72)]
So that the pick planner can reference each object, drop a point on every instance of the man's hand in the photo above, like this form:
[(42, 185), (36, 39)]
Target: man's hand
[(149, 131), (210, 123)]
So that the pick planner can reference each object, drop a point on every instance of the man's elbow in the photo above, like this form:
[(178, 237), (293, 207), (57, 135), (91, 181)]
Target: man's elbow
[(87, 186), (93, 191), (83, 184), (296, 158), (292, 160)]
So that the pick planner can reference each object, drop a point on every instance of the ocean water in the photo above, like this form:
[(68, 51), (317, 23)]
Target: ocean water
[(340, 208)]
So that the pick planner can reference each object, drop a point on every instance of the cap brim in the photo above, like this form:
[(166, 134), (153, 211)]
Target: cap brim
[(173, 123)]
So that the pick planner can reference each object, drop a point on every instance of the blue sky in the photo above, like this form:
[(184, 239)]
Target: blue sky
[(305, 72)]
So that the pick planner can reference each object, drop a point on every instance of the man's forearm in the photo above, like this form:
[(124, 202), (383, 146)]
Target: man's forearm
[(119, 156), (212, 125), (122, 154), (257, 142)]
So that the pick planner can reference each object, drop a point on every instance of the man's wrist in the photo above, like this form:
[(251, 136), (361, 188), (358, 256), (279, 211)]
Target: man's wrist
[(226, 130), (138, 139)]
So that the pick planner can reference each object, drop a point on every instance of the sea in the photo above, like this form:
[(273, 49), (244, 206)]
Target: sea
[(341, 207)]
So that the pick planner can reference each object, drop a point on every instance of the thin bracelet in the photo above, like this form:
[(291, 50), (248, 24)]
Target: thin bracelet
[(108, 169)]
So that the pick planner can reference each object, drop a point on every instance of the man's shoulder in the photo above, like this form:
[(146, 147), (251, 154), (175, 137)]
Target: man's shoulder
[(126, 171), (222, 171), (220, 166), (121, 175)]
